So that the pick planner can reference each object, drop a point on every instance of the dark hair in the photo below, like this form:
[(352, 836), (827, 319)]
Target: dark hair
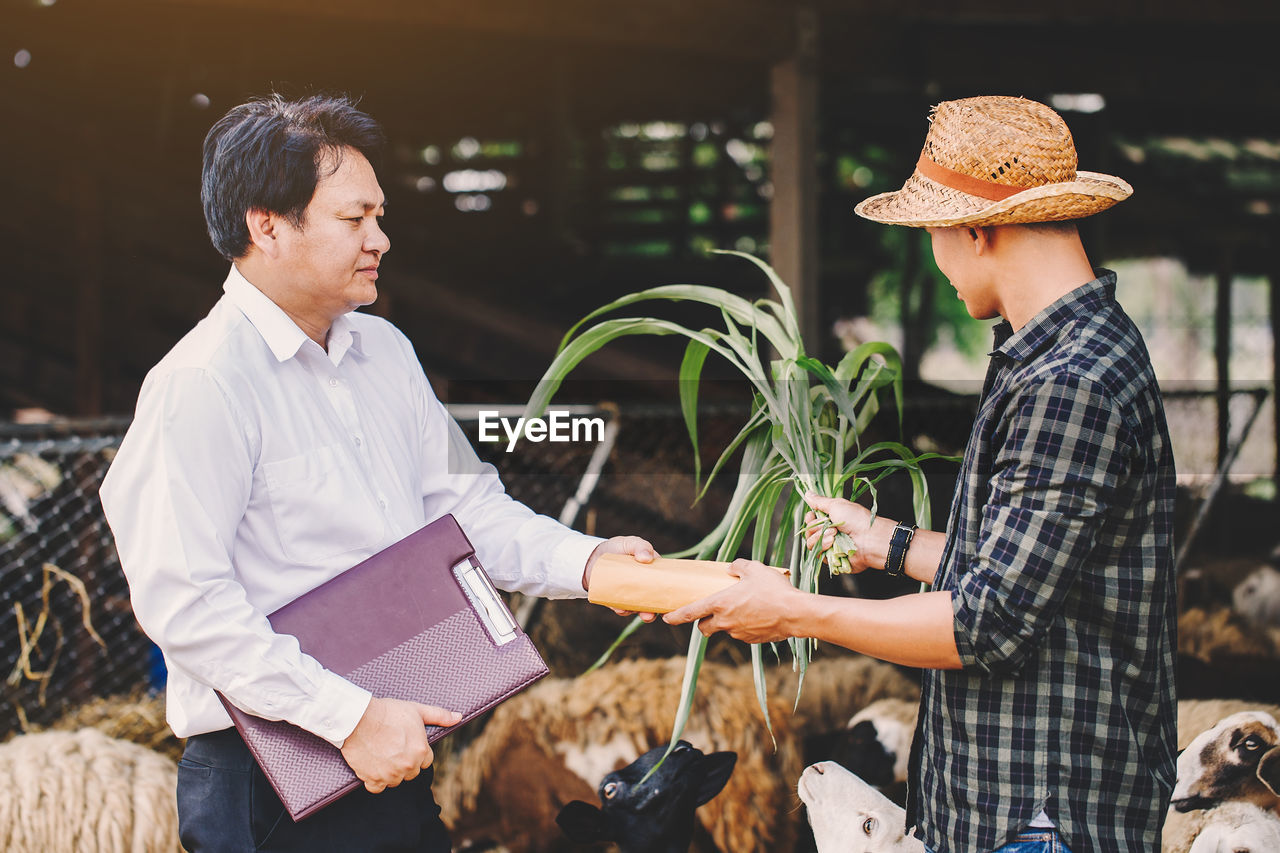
[(266, 155)]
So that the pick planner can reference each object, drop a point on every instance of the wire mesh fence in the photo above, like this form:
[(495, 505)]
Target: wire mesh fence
[(67, 631), (58, 565)]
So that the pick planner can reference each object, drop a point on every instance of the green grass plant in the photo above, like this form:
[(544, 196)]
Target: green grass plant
[(803, 434)]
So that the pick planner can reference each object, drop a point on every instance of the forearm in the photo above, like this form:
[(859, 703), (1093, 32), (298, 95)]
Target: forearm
[(914, 630), (923, 556)]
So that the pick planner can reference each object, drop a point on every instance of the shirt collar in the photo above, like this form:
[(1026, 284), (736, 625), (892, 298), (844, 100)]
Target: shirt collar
[(1045, 327), (277, 328)]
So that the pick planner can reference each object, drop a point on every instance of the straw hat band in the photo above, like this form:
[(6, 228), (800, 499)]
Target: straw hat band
[(940, 174)]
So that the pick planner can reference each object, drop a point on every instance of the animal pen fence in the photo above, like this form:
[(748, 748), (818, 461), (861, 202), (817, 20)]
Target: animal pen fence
[(67, 631)]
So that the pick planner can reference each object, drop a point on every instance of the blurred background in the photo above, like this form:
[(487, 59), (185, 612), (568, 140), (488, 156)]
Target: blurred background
[(549, 155)]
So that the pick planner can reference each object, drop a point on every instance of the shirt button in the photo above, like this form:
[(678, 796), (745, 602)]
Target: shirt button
[(333, 381), (382, 502), (357, 440)]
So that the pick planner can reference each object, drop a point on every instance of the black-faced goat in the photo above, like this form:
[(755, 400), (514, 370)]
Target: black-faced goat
[(653, 815)]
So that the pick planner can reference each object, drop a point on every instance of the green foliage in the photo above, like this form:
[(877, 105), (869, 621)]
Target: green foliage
[(803, 433)]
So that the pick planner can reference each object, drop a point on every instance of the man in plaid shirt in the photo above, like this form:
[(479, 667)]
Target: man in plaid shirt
[(1048, 710)]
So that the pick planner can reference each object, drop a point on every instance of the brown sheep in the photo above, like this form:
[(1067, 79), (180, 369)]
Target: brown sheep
[(553, 744)]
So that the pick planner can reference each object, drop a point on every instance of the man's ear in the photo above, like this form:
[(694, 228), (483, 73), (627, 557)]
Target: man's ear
[(264, 228), (982, 237)]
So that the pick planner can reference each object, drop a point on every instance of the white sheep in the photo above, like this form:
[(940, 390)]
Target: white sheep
[(1238, 759), (554, 742), (1257, 598), (83, 791), (1238, 827), (1200, 715), (850, 816)]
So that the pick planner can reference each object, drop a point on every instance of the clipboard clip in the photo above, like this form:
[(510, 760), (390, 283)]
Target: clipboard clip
[(486, 603)]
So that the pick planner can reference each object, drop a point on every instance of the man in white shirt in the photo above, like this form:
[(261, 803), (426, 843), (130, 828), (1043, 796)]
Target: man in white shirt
[(282, 441)]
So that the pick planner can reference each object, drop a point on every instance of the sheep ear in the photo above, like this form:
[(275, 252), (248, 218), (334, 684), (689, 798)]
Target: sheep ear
[(583, 823), (1269, 770), (719, 767)]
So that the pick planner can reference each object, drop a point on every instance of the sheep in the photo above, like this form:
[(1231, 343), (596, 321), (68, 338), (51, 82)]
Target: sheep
[(1238, 759), (650, 814), (86, 792), (1233, 827), (1208, 633), (138, 717), (837, 686), (552, 743), (850, 816), (1257, 598), (877, 744), (1238, 827), (1200, 715)]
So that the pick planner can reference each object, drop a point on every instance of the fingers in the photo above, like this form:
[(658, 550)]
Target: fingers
[(636, 547), (644, 617), (433, 716), (375, 787), (688, 613), (818, 502)]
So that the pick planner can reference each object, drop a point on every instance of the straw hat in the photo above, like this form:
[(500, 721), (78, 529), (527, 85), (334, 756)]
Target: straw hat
[(995, 161)]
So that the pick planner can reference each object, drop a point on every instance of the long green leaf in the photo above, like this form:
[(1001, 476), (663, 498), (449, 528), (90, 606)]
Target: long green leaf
[(595, 338), (693, 665), (744, 311), (784, 297), (757, 676), (695, 355)]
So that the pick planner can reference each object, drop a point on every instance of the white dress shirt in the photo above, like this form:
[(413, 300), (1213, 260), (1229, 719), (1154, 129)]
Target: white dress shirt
[(258, 466)]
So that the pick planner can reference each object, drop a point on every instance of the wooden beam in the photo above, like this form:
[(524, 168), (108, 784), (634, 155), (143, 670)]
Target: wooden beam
[(1275, 367), (1222, 350), (793, 212), (758, 29)]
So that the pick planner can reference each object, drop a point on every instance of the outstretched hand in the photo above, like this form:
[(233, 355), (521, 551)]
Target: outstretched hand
[(632, 546), (756, 609)]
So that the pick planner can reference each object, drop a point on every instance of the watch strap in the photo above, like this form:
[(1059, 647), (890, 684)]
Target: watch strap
[(896, 560)]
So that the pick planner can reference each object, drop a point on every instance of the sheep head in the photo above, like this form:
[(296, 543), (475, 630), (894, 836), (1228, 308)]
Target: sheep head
[(850, 816), (655, 814), (1237, 759)]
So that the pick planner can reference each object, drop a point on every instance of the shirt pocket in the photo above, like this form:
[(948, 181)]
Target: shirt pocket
[(321, 506)]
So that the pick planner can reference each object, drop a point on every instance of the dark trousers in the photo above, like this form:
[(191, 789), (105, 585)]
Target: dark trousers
[(226, 805)]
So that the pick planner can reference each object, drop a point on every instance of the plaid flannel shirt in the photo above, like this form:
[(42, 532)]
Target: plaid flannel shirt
[(1059, 558)]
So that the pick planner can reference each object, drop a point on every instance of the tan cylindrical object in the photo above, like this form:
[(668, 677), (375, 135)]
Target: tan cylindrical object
[(625, 583)]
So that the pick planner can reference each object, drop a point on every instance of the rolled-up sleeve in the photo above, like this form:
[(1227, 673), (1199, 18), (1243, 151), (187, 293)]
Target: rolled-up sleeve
[(1054, 478)]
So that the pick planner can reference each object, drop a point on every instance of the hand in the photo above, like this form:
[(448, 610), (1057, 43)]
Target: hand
[(754, 610), (631, 545), (849, 518), (389, 744)]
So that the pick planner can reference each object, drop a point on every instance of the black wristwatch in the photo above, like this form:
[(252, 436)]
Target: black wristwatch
[(899, 542)]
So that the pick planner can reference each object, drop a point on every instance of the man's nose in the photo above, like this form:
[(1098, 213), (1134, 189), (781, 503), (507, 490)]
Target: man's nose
[(378, 241)]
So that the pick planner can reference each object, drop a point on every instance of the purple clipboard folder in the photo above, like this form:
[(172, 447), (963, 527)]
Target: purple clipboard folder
[(419, 620)]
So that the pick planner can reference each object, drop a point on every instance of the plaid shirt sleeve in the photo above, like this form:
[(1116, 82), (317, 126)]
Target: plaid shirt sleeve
[(1053, 481)]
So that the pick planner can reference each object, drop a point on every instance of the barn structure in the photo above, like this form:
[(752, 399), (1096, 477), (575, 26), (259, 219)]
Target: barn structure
[(547, 155)]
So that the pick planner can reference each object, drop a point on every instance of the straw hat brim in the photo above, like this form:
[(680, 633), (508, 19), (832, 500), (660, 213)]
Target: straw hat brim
[(922, 203)]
